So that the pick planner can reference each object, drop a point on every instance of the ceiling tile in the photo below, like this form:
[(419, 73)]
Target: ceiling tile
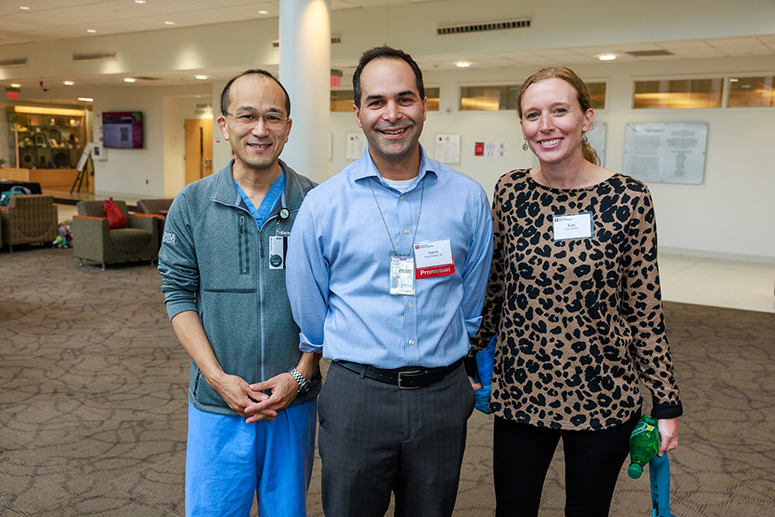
[(745, 50), (698, 53)]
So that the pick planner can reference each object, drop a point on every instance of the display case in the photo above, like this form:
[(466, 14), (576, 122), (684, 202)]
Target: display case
[(45, 138)]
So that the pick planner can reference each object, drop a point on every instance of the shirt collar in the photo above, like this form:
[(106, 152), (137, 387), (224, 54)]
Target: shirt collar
[(369, 170)]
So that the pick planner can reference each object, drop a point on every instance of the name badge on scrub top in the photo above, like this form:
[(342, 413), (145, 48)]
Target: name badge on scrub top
[(277, 248), (573, 226), (434, 259), (401, 275)]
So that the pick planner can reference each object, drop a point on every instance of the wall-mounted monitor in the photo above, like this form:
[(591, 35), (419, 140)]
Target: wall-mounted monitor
[(122, 129)]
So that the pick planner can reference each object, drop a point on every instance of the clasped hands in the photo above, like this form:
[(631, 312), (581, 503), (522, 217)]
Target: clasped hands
[(251, 401)]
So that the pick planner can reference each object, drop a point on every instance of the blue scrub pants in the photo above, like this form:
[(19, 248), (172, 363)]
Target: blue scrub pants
[(228, 461)]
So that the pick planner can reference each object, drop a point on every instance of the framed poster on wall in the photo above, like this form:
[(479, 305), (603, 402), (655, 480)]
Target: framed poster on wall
[(669, 152)]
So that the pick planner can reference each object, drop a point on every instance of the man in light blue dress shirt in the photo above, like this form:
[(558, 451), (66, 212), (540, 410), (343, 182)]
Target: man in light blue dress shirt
[(387, 268)]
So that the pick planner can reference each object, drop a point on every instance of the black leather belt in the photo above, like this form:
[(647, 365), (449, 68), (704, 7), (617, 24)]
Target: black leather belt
[(406, 378)]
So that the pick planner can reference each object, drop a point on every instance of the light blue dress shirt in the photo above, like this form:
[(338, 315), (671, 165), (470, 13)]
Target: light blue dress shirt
[(338, 266)]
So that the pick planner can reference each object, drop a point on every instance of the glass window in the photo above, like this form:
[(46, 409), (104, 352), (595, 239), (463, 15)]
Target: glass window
[(751, 92), (342, 100), (434, 96), (678, 94), (488, 98), (597, 93)]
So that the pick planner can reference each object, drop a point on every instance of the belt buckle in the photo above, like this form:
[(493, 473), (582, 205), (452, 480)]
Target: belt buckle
[(399, 379)]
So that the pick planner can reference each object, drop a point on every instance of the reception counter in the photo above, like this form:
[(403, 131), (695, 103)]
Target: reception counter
[(46, 177)]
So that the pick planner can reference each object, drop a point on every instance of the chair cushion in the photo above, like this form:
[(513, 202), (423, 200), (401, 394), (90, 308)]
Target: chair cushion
[(130, 240)]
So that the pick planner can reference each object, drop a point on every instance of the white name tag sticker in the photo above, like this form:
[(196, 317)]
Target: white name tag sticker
[(434, 259), (573, 226)]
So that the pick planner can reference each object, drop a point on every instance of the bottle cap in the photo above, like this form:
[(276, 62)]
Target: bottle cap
[(635, 470)]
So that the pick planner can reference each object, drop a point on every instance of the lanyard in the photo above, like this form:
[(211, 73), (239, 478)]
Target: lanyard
[(422, 195)]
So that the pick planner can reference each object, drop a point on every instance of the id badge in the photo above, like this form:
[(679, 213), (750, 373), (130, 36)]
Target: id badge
[(401, 276), (277, 252), (573, 226)]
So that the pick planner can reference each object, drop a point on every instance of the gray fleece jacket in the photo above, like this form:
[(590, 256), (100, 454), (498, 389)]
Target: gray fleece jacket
[(215, 260)]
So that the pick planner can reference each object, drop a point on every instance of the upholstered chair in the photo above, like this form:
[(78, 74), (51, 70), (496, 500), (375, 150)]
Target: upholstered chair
[(94, 240), (156, 207), (29, 219)]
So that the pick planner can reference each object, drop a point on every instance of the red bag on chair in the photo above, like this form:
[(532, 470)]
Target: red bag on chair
[(114, 214)]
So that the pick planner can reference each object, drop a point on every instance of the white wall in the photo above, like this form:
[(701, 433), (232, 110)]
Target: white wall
[(141, 172), (728, 214)]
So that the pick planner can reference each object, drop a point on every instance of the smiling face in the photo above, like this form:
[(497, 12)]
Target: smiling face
[(391, 112), (553, 121), (257, 148)]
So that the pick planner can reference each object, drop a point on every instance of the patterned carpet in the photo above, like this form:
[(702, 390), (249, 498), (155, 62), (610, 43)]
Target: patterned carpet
[(93, 403)]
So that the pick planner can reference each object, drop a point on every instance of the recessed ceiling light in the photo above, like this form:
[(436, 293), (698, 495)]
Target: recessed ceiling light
[(169, 23), (607, 57), (462, 64), (263, 12), (68, 83), (24, 7), (85, 99), (733, 80), (201, 77), (91, 31), (16, 85), (129, 79), (139, 1)]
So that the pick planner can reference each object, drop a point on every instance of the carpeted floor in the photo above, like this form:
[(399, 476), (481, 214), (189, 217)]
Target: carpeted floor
[(93, 403)]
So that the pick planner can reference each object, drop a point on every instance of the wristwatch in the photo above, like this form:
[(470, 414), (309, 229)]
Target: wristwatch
[(304, 384)]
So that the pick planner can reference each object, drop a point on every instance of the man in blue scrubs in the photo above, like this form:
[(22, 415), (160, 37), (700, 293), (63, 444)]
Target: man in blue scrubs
[(252, 394)]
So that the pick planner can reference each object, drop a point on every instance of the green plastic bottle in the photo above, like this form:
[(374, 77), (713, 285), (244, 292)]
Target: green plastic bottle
[(644, 444)]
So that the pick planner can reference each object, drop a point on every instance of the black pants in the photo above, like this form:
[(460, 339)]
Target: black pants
[(593, 460)]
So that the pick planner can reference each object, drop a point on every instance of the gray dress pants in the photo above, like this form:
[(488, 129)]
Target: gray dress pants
[(376, 439)]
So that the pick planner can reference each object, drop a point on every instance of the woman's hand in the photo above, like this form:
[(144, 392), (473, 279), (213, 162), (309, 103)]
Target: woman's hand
[(668, 428)]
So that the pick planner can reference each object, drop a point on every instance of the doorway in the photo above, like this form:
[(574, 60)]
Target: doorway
[(199, 149)]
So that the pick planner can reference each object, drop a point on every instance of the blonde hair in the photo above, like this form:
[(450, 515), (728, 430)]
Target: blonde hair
[(582, 93)]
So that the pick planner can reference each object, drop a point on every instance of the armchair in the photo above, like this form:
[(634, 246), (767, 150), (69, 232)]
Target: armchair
[(157, 207), (93, 240), (29, 219)]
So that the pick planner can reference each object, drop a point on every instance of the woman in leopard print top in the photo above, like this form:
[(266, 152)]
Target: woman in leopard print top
[(575, 302)]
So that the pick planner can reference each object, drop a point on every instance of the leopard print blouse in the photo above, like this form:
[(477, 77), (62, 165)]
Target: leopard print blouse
[(579, 321)]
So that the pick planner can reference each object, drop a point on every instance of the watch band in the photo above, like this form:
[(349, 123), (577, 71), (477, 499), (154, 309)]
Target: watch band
[(304, 384)]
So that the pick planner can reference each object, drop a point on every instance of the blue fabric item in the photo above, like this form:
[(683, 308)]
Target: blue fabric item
[(659, 472), (229, 461), (338, 266), (269, 202), (484, 360)]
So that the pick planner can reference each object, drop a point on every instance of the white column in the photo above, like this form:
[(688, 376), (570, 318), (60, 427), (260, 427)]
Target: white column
[(305, 71)]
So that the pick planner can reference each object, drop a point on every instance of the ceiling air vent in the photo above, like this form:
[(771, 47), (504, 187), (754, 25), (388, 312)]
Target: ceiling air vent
[(517, 23), (649, 53), (21, 61), (335, 40), (145, 78), (95, 56)]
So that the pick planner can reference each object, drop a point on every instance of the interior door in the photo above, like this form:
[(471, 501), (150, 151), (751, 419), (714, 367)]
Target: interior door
[(199, 149)]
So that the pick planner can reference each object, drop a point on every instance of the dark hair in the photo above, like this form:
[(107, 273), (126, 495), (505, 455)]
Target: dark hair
[(582, 94), (388, 53), (254, 71)]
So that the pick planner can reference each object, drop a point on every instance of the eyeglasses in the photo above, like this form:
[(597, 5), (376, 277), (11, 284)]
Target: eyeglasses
[(248, 119)]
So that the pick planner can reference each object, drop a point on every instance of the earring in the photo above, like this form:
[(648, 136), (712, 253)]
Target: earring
[(524, 146), (584, 138)]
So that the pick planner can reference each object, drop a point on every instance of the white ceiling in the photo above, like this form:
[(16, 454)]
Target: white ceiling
[(57, 19)]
